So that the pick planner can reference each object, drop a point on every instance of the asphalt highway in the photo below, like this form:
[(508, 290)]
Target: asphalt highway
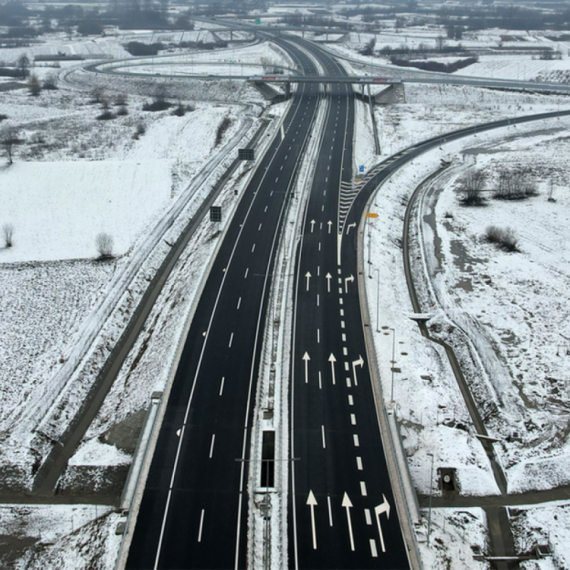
[(341, 511), (194, 509)]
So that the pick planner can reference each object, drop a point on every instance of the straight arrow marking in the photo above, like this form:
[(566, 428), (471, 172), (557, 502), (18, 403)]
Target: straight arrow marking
[(308, 276), (306, 358), (312, 502), (348, 505), (332, 360), (328, 277), (329, 224), (313, 225)]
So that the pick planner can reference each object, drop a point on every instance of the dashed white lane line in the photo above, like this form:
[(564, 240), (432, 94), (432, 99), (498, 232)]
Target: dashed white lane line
[(277, 179), (348, 383), (353, 419), (246, 272), (346, 366), (201, 525), (340, 300), (281, 167), (342, 324), (340, 289), (323, 435), (318, 299), (343, 337), (318, 336), (323, 208), (319, 246), (359, 463), (222, 385), (340, 280), (253, 248), (259, 227), (356, 440), (330, 510), (373, 549), (342, 312), (318, 270), (368, 517), (265, 209), (320, 381), (324, 192), (239, 303), (363, 490), (231, 340), (321, 226), (344, 351), (339, 271), (212, 445)]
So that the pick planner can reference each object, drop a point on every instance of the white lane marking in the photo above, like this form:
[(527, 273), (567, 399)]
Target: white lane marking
[(323, 435), (231, 340), (239, 303), (348, 384), (320, 242), (246, 272), (318, 270), (253, 248), (340, 290), (277, 179), (330, 510), (328, 167), (347, 366), (222, 385), (265, 209), (281, 167), (318, 298), (343, 337), (345, 351), (327, 179), (259, 228), (368, 517), (359, 464), (321, 226), (339, 271), (356, 440), (320, 381), (201, 525), (212, 445), (342, 312), (325, 193), (373, 549), (323, 208), (341, 324), (285, 158), (318, 335), (271, 193), (353, 419), (363, 489), (341, 301)]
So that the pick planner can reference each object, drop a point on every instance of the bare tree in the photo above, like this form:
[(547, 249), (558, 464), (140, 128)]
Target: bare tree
[(472, 187), (23, 63), (34, 86), (515, 185), (8, 140), (97, 93), (104, 243), (8, 235), (50, 82)]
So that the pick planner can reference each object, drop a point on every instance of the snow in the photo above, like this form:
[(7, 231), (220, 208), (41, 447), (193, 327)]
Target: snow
[(95, 452), (58, 208)]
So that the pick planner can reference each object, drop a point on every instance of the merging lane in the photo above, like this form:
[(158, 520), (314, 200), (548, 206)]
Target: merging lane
[(341, 507)]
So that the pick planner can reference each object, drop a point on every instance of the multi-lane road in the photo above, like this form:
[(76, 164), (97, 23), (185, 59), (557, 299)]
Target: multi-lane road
[(194, 509)]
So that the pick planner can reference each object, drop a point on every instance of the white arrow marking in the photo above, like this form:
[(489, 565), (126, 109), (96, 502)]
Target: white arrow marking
[(383, 508), (308, 276), (312, 502), (332, 360), (328, 277), (313, 225), (348, 505), (353, 225), (329, 224), (355, 363), (306, 358), (346, 280), (282, 132)]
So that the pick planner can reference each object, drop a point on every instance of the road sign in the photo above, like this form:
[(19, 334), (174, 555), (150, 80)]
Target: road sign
[(371, 215), (358, 179), (257, 21), (361, 168), (245, 154), (215, 213)]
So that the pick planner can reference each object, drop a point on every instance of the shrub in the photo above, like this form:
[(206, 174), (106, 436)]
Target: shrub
[(514, 185), (8, 235), (472, 188), (3, 117), (138, 48), (50, 82), (222, 128), (105, 116), (504, 238), (122, 111), (157, 106), (34, 86)]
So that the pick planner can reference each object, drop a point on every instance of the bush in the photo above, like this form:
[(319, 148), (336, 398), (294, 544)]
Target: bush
[(122, 111), (34, 86), (503, 238), (8, 234), (3, 117), (50, 82), (472, 188), (514, 185), (223, 127), (105, 116), (138, 48), (157, 106)]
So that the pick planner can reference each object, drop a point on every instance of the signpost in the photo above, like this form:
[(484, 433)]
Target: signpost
[(215, 213), (246, 154)]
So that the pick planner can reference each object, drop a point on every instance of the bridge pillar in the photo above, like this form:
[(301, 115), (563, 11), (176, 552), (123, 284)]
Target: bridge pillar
[(373, 119), (287, 90)]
